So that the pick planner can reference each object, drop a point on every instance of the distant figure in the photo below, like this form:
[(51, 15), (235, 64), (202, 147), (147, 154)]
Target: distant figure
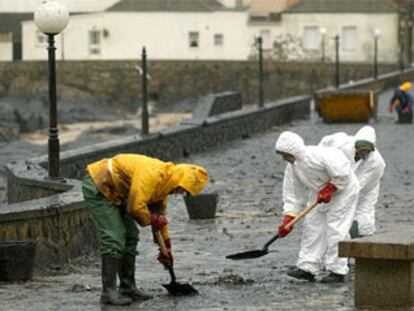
[(402, 103)]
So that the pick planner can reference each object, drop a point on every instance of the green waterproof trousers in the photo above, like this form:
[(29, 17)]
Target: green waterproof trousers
[(118, 232)]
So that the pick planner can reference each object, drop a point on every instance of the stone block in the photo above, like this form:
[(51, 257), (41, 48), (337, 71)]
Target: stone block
[(384, 269)]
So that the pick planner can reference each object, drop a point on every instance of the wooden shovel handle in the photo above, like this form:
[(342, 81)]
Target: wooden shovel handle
[(163, 248), (160, 241), (301, 215)]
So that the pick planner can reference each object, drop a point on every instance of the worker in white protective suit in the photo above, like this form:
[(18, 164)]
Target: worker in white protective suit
[(368, 166), (321, 174)]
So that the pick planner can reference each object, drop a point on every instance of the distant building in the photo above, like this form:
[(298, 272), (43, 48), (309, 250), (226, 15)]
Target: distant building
[(13, 12), (6, 47), (25, 6), (179, 29), (312, 24), (265, 20), (292, 30)]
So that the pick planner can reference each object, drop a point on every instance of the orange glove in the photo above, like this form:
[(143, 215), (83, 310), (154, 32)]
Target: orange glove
[(166, 260), (325, 194), (158, 221), (285, 231)]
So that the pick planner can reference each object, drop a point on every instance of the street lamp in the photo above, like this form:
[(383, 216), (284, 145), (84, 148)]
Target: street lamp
[(259, 44), (144, 116), (51, 18), (376, 33), (337, 74), (322, 31)]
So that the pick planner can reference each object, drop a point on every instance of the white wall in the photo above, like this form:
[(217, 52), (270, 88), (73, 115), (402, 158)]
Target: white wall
[(165, 36), (24, 6), (6, 51), (365, 23)]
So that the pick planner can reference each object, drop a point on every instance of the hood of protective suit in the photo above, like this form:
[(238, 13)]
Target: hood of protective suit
[(406, 86), (291, 143), (192, 178), (366, 133)]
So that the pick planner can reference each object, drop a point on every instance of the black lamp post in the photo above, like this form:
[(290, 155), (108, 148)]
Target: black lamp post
[(51, 18), (261, 89), (337, 73), (144, 112), (376, 33), (402, 65), (323, 35)]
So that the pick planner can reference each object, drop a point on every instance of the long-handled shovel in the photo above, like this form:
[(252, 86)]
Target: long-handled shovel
[(173, 287), (265, 250)]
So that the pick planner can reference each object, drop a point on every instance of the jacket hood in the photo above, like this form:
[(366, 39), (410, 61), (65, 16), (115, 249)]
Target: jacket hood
[(192, 178), (289, 142), (366, 133)]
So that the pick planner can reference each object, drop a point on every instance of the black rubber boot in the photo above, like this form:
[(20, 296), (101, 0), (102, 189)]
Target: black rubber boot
[(333, 278), (301, 275), (110, 294), (128, 287), (354, 231)]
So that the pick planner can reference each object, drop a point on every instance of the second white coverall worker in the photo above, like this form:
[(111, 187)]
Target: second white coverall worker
[(368, 170)]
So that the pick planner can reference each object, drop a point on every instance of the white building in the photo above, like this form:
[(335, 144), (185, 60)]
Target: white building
[(207, 30), (13, 12), (198, 29), (25, 6), (311, 25), (6, 47)]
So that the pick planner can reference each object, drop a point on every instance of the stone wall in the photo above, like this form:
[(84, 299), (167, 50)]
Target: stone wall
[(120, 82)]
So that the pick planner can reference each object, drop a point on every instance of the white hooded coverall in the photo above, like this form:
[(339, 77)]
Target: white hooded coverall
[(368, 171), (329, 223)]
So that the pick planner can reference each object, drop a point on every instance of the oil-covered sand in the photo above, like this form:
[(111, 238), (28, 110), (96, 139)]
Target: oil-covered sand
[(248, 177)]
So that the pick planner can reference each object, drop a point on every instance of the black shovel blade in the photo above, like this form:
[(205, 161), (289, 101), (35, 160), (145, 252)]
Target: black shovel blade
[(177, 289), (248, 255)]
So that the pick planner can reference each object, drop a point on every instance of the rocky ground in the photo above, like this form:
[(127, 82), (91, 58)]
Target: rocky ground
[(248, 176)]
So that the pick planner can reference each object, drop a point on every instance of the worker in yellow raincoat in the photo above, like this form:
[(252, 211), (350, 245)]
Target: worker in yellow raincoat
[(131, 188)]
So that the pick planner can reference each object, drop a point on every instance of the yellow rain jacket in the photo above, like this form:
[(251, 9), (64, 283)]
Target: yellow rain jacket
[(140, 181)]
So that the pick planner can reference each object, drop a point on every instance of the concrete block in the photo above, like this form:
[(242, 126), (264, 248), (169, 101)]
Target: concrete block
[(384, 269)]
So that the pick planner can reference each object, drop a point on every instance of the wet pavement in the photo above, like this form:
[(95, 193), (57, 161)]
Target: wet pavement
[(248, 177)]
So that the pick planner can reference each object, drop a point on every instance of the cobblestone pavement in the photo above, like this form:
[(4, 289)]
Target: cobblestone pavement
[(248, 178)]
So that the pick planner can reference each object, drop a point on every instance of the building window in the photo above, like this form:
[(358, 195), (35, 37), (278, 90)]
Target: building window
[(94, 42), (311, 38), (41, 38), (194, 39), (349, 39), (218, 39)]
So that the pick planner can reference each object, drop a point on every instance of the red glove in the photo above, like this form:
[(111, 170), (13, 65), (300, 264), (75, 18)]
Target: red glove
[(158, 221), (166, 260), (325, 194), (285, 231)]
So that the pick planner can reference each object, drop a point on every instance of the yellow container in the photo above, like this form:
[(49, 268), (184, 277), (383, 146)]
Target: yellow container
[(347, 106)]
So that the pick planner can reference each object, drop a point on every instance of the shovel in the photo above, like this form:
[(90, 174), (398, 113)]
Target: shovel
[(174, 288), (265, 250)]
